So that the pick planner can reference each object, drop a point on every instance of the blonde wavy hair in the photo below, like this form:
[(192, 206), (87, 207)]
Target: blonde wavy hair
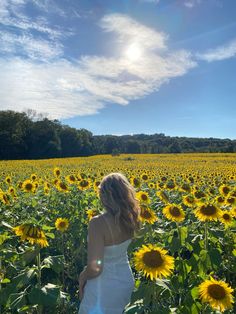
[(118, 198)]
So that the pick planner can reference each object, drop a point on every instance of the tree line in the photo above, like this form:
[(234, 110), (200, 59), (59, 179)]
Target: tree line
[(27, 135)]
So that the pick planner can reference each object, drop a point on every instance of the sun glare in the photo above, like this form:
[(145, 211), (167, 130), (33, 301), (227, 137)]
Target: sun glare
[(133, 52)]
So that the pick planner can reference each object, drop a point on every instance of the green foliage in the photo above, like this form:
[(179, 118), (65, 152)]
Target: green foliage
[(31, 136)]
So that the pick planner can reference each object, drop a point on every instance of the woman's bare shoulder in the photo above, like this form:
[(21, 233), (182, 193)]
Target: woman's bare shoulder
[(97, 221)]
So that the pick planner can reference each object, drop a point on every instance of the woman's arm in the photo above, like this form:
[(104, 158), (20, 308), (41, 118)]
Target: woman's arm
[(95, 252)]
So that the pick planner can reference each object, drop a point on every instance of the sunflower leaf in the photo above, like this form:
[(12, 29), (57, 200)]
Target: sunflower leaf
[(54, 262), (195, 293), (162, 283)]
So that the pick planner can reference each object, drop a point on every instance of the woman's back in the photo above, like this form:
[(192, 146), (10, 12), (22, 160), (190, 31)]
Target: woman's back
[(110, 292), (113, 234)]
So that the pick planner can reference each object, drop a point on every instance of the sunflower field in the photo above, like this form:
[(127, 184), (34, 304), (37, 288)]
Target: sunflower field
[(183, 258)]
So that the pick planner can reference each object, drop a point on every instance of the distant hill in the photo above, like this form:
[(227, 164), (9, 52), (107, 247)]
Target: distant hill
[(25, 135)]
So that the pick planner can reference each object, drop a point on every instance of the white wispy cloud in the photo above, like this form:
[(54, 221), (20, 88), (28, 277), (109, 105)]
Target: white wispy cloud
[(191, 3), (64, 88), (27, 45), (12, 14), (49, 6), (129, 30), (219, 53)]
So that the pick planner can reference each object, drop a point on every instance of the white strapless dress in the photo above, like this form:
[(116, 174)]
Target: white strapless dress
[(110, 292)]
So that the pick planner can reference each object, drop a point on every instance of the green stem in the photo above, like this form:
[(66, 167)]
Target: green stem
[(63, 271), (206, 235), (38, 258), (39, 269), (179, 232), (182, 261)]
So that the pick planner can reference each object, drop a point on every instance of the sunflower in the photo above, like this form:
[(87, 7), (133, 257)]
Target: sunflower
[(199, 194), (96, 185), (170, 185), (189, 200), (62, 187), (163, 179), (4, 198), (143, 197), (224, 189), (12, 191), (220, 200), (83, 184), (8, 180), (233, 211), (144, 176), (55, 181), (174, 212), (57, 172), (217, 293), (33, 176), (135, 182), (71, 179), (153, 261), (19, 184), (32, 233), (226, 218), (28, 186), (46, 185), (62, 224), (230, 200), (46, 190), (147, 215), (207, 211), (151, 185)]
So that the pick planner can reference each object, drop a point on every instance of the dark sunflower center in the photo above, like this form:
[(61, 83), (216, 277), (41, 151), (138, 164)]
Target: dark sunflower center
[(208, 210), (63, 186), (221, 199), (225, 190), (28, 186), (226, 217), (62, 224), (72, 178), (144, 197), (190, 200), (216, 291), (57, 172), (5, 198), (145, 177), (153, 259), (145, 214), (136, 182), (84, 183), (174, 211), (231, 200)]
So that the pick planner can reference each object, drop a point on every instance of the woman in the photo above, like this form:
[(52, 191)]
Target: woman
[(107, 282)]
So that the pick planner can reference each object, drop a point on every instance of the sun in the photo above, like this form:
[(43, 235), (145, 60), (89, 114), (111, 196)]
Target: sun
[(133, 52)]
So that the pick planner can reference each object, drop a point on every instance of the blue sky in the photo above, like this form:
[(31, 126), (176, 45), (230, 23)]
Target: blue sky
[(122, 67)]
